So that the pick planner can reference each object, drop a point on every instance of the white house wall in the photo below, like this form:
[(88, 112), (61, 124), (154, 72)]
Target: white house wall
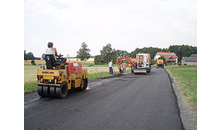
[(156, 57)]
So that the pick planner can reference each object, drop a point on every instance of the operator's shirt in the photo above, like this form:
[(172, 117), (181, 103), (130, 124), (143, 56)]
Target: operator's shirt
[(110, 64), (49, 51)]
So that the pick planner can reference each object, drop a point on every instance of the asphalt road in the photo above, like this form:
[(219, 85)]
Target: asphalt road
[(125, 102)]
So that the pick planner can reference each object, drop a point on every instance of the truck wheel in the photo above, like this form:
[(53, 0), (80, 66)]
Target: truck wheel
[(84, 83), (62, 91)]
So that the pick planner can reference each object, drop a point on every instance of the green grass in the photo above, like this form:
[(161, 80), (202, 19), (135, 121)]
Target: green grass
[(30, 87), (186, 77)]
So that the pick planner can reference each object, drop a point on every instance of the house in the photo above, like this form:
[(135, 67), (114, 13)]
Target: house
[(189, 61), (171, 57)]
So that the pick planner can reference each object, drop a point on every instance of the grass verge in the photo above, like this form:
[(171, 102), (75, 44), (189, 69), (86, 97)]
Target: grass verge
[(30, 87), (186, 77)]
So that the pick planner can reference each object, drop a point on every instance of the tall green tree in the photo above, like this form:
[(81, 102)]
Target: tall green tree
[(122, 53), (98, 60), (108, 53), (83, 53)]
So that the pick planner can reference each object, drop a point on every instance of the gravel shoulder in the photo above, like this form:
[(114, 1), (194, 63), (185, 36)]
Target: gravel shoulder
[(187, 114)]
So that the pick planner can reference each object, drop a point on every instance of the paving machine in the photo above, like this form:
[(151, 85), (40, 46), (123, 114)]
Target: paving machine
[(60, 76)]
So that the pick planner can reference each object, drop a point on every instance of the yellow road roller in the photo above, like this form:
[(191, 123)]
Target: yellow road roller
[(60, 76)]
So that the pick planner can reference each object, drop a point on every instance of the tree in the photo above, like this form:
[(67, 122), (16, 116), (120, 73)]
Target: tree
[(107, 53), (152, 50), (122, 53), (25, 55), (30, 56), (98, 60), (33, 62), (83, 53)]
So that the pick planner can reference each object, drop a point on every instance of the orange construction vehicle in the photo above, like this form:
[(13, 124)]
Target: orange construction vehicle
[(140, 64)]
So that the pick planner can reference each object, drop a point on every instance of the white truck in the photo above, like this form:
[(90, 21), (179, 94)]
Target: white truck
[(143, 64)]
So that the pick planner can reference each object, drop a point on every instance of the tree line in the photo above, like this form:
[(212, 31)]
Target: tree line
[(108, 53), (29, 56)]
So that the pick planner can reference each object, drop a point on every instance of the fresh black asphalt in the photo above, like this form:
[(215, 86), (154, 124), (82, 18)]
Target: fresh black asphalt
[(123, 102)]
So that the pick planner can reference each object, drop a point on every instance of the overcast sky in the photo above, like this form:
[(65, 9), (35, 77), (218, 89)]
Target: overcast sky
[(126, 24)]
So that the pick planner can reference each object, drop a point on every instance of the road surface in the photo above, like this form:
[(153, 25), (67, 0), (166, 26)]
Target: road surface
[(124, 102)]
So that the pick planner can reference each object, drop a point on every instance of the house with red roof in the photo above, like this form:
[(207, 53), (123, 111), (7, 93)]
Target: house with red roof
[(171, 57)]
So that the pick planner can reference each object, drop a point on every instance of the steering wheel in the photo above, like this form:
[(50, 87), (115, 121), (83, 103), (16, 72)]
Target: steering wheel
[(59, 55)]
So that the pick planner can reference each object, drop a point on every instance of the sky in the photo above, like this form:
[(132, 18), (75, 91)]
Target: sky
[(125, 24)]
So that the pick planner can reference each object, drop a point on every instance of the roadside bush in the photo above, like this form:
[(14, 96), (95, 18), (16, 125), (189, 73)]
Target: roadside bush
[(33, 62)]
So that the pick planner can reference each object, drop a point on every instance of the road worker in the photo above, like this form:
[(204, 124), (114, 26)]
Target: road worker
[(124, 66), (110, 64)]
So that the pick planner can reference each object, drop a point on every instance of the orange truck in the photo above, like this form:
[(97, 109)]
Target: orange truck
[(140, 64)]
